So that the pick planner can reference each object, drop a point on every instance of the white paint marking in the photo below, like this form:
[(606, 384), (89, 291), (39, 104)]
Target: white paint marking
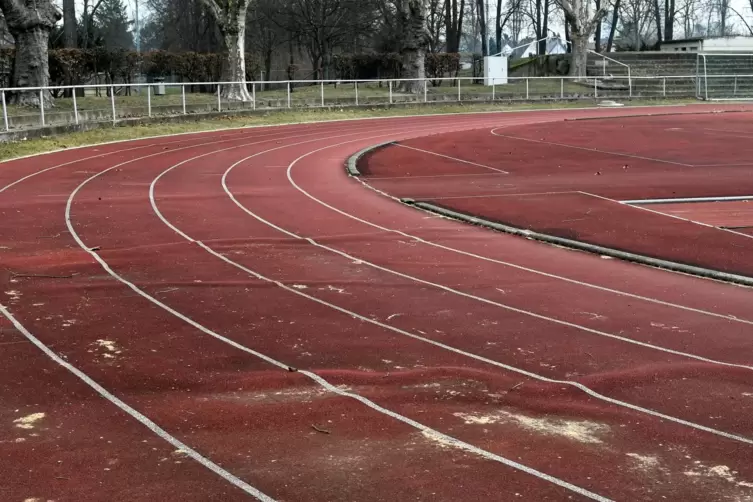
[(250, 490), (451, 158), (592, 150), (450, 440), (687, 200), (578, 385)]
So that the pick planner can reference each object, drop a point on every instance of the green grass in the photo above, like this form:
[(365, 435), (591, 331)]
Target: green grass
[(312, 93), (63, 141)]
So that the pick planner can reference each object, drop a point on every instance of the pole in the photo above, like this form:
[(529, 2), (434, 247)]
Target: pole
[(75, 106), (288, 94), (562, 88), (219, 99), (253, 91), (41, 105), (112, 103), (356, 93), (527, 90), (322, 90), (149, 99), (390, 91), (426, 90), (183, 96), (5, 113)]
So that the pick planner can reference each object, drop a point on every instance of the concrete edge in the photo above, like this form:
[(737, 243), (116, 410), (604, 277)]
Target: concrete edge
[(351, 165), (660, 114), (583, 246)]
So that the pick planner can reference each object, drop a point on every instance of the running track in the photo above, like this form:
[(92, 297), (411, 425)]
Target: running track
[(226, 315)]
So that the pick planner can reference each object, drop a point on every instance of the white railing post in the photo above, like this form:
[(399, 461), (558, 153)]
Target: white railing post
[(390, 91), (5, 113), (219, 98), (149, 100), (664, 87), (112, 103), (528, 94), (253, 93), (459, 98), (75, 105), (596, 88), (183, 97), (562, 88), (426, 90), (41, 105), (288, 94), (322, 91), (630, 84), (734, 92), (356, 93), (494, 97)]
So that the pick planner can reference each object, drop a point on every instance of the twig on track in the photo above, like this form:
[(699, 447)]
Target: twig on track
[(14, 275), (517, 386), (317, 429), (50, 236)]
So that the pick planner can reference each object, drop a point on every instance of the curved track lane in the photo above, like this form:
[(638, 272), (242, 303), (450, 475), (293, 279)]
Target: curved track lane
[(303, 337)]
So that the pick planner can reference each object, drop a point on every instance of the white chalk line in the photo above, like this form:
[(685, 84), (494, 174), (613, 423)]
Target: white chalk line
[(451, 158), (484, 300), (141, 418), (669, 215), (540, 272), (441, 436), (592, 150)]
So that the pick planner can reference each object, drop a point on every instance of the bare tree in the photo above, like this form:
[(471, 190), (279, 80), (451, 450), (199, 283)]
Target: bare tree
[(435, 21), (412, 23), (230, 16), (613, 25), (454, 13), (670, 16), (582, 25), (30, 22), (69, 24), (481, 15), (513, 8)]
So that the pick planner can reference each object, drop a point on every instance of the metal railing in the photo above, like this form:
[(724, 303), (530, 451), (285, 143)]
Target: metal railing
[(703, 76), (118, 102), (604, 66)]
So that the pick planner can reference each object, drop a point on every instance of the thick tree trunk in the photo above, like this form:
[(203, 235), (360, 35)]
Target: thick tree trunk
[(582, 26), (579, 56), (657, 16), (231, 20), (669, 20), (597, 35), (234, 69), (69, 24), (412, 23), (30, 23)]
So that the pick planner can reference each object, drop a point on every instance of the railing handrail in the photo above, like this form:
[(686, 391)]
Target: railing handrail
[(338, 81)]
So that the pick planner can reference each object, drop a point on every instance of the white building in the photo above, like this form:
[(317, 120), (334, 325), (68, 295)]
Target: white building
[(718, 45)]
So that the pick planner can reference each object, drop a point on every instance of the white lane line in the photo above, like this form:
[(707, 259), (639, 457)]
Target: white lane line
[(493, 195), (144, 420), (592, 150), (452, 290), (379, 178), (669, 215), (451, 158), (688, 200), (577, 385), (515, 266), (316, 378)]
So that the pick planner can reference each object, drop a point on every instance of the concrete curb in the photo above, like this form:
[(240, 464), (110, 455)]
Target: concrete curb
[(351, 166), (583, 246)]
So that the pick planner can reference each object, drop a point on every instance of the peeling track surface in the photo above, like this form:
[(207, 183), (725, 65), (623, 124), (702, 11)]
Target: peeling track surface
[(229, 316)]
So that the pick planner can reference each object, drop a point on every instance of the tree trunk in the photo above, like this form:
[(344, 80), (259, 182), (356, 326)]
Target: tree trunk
[(30, 23), (231, 21), (482, 25), (69, 24), (669, 20), (412, 23), (597, 35), (657, 16), (613, 26), (579, 55), (582, 26)]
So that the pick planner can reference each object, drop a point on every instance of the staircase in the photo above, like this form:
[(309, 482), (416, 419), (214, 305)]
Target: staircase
[(682, 76)]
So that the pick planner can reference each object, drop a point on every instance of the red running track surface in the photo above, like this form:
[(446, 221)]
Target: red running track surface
[(291, 335), (567, 178)]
